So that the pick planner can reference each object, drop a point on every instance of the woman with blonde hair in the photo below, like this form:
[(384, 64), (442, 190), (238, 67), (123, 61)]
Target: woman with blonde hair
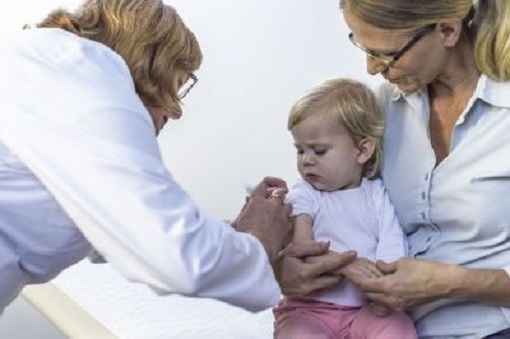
[(446, 165), (83, 96)]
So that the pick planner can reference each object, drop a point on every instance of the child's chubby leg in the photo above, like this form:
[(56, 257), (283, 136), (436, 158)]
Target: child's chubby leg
[(395, 325), (298, 319)]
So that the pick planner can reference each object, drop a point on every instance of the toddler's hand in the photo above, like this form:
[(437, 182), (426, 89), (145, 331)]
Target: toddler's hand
[(359, 269)]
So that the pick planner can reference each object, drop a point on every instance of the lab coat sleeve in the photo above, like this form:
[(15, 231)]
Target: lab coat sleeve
[(132, 211)]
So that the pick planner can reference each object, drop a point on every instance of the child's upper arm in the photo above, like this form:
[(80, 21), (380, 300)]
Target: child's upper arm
[(303, 228)]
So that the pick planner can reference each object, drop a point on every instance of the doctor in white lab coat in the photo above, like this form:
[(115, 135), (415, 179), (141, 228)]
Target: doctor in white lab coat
[(82, 98)]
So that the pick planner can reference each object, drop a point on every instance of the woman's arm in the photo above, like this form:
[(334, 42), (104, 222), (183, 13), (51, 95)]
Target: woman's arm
[(486, 286), (410, 282)]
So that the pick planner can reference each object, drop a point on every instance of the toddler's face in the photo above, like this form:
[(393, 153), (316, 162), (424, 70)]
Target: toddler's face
[(327, 157)]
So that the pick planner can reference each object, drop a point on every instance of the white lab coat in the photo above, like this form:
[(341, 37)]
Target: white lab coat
[(72, 124)]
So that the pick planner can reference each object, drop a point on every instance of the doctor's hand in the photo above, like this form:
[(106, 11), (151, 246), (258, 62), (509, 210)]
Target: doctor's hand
[(266, 216), (306, 267)]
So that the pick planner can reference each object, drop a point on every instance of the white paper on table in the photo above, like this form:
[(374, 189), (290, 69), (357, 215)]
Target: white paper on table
[(132, 310)]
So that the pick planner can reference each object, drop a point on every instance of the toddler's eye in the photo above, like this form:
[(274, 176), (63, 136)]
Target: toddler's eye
[(320, 151)]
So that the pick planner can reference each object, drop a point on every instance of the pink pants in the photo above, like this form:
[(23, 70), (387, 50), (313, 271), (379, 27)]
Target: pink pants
[(318, 320)]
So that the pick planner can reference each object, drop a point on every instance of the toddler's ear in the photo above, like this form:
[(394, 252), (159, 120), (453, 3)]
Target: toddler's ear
[(366, 150)]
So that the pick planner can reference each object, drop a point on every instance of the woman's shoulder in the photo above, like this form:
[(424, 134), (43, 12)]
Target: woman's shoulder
[(53, 50), (72, 81)]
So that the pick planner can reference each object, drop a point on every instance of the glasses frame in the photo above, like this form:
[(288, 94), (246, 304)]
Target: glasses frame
[(396, 55), (186, 90)]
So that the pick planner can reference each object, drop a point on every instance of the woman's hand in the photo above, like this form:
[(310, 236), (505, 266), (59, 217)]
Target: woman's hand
[(304, 268), (407, 283), (362, 268), (267, 217)]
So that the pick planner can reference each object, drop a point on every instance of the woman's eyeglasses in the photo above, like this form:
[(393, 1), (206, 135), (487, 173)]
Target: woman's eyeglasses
[(389, 59)]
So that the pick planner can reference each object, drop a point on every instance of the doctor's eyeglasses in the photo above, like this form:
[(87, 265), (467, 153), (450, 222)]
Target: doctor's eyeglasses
[(188, 85)]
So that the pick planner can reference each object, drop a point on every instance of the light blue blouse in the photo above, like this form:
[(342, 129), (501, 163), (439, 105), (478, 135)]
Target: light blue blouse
[(459, 212)]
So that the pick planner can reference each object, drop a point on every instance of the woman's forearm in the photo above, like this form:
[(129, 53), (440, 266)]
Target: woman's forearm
[(410, 282), (486, 286)]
